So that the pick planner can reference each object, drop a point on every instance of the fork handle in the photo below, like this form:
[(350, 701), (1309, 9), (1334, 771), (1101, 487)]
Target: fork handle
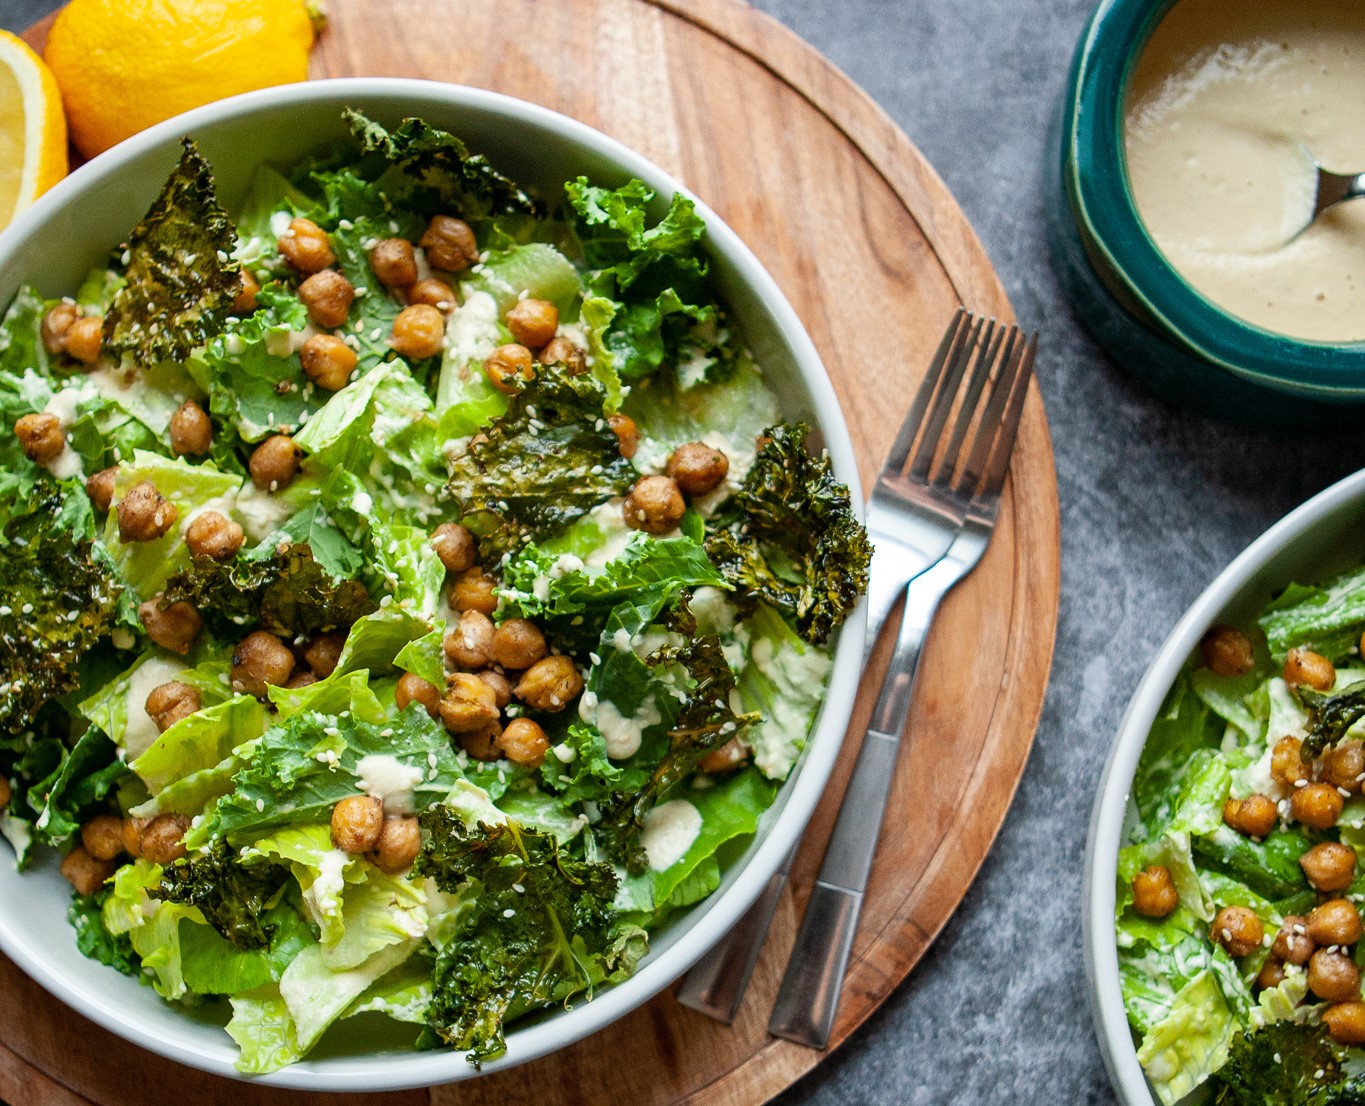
[(809, 996)]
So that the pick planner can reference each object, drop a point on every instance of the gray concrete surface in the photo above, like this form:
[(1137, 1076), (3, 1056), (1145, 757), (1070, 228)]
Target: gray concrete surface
[(1154, 503)]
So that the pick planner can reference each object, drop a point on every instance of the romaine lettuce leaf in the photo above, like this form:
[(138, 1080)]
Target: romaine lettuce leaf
[(1187, 1046)]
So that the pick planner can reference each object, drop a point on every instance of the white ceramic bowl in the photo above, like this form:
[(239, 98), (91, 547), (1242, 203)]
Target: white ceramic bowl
[(1324, 535), (74, 226)]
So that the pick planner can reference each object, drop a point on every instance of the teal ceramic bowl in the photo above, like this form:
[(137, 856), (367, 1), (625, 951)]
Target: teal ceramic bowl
[(1140, 309)]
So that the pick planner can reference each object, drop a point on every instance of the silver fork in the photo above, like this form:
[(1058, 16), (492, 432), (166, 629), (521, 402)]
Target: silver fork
[(809, 996), (916, 512)]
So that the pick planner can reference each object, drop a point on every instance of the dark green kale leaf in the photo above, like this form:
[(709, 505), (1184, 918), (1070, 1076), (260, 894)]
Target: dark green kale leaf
[(65, 798), (439, 164), (287, 593), (548, 461), (1330, 716), (540, 930), (1279, 1065), (231, 895), (705, 720), (94, 940), (59, 595), (789, 537), (180, 280)]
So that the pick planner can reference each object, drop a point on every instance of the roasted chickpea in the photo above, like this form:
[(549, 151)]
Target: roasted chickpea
[(454, 544), (470, 644), (174, 627), (210, 534), (162, 838), (100, 488), (259, 660), (171, 702), (274, 463), (482, 744), (468, 705), (413, 689), (1238, 930), (1292, 943), (533, 322), (501, 685), (518, 643), (561, 351), (144, 514), (300, 679), (1286, 761), (1329, 866), (1345, 1021), (305, 246), (85, 873), (393, 262), (418, 332), (474, 591), (1333, 976), (449, 243), (191, 430), (726, 758), (1317, 805), (1255, 816), (323, 652), (524, 742), (55, 325), (357, 822), (1227, 652), (507, 366), (102, 836), (244, 303), (328, 296), (1271, 973), (6, 793), (132, 835), (400, 840), (1335, 922), (85, 339), (1344, 766), (627, 434), (550, 684), (327, 361), (1154, 893), (697, 468), (654, 505), (1303, 666), (41, 437), (435, 293)]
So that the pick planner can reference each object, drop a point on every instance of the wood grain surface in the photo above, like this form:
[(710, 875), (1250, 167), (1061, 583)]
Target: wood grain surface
[(874, 254)]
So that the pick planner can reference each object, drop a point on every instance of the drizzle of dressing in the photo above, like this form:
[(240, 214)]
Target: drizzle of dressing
[(669, 830), (387, 779)]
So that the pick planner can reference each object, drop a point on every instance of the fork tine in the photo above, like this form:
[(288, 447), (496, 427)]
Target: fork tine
[(943, 406), (993, 479), (988, 428), (986, 354), (910, 427)]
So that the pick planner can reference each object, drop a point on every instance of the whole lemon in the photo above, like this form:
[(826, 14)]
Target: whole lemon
[(123, 65)]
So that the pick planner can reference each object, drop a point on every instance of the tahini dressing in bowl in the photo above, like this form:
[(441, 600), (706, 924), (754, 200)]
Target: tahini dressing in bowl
[(1224, 102)]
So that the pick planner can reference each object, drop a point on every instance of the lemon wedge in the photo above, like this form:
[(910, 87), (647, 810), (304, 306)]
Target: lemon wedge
[(32, 128)]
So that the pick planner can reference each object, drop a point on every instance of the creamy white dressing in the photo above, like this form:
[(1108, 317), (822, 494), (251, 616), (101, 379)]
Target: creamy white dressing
[(1226, 98), (610, 522), (261, 513), (472, 329), (386, 778), (669, 830), (139, 731)]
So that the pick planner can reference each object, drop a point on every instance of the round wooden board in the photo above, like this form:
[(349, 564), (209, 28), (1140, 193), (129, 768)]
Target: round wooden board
[(874, 254)]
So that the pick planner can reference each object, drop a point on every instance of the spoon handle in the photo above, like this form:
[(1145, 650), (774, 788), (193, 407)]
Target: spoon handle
[(1336, 188)]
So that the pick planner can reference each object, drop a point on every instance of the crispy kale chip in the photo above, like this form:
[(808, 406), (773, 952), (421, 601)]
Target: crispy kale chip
[(179, 278), (1284, 1064), (231, 896), (436, 162), (540, 930), (706, 720), (789, 537), (287, 593), (548, 461), (59, 594), (1330, 716), (94, 939)]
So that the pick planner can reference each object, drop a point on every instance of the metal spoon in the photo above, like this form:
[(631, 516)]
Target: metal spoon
[(1332, 189)]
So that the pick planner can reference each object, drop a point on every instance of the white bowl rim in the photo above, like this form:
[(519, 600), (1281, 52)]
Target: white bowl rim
[(1107, 815), (399, 1071)]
